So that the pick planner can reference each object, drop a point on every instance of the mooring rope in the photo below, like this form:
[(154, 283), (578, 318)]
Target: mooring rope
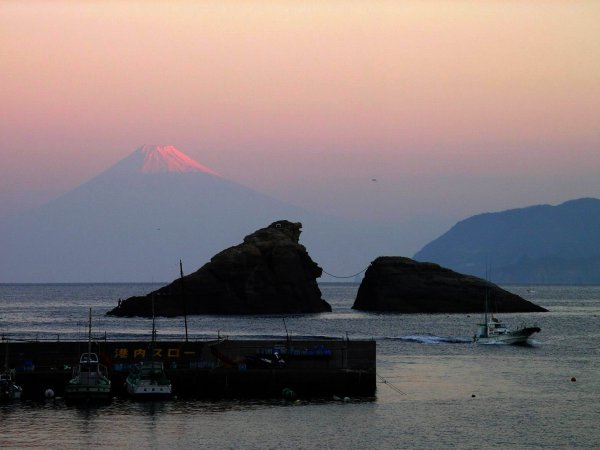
[(392, 387), (349, 276)]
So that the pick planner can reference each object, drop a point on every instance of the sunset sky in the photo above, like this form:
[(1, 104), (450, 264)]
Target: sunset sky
[(453, 107)]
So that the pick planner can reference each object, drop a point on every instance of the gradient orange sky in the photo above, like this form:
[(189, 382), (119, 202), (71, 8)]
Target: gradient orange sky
[(455, 107)]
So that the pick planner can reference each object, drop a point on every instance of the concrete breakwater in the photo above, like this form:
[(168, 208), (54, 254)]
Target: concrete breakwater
[(208, 369)]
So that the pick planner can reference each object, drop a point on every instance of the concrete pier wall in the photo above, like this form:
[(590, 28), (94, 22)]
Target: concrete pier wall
[(209, 369)]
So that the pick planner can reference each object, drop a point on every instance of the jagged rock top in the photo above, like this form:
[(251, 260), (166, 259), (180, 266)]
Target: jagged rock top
[(279, 231)]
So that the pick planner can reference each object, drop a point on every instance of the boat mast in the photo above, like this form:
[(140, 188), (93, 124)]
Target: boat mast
[(183, 300), (487, 290), (153, 331), (485, 314), (90, 336)]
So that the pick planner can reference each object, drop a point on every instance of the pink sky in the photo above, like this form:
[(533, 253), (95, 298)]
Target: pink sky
[(454, 107)]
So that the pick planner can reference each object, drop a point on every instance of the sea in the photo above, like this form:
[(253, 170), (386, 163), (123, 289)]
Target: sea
[(436, 389)]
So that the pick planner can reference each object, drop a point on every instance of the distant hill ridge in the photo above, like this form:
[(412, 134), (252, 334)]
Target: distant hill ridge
[(538, 244)]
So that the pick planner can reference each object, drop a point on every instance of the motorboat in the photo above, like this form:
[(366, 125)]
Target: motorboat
[(9, 390), (147, 379), (493, 331), (90, 380), (496, 332)]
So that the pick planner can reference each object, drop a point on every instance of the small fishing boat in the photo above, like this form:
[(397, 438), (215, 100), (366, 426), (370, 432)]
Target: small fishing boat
[(90, 380), (496, 332), (492, 331), (147, 379), (8, 389)]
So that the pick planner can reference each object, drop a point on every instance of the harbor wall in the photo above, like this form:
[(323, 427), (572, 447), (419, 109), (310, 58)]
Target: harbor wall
[(208, 369)]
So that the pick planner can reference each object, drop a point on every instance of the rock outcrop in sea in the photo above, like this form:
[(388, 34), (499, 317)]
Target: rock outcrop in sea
[(270, 272), (403, 285)]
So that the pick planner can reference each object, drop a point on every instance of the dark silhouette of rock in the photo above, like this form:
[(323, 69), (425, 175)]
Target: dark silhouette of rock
[(269, 273), (398, 284)]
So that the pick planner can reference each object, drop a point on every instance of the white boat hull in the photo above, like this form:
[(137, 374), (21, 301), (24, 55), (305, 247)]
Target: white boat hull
[(148, 380), (517, 337), (147, 390), (91, 393)]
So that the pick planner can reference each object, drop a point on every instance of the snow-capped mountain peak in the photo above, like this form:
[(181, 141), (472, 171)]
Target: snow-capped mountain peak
[(155, 159)]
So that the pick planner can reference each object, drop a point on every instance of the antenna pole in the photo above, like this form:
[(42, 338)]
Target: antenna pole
[(183, 301), (286, 330), (487, 290), (90, 335), (485, 320), (153, 331)]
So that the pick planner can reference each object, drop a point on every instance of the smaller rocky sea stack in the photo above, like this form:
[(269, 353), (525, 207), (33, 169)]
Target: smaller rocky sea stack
[(269, 273), (397, 284)]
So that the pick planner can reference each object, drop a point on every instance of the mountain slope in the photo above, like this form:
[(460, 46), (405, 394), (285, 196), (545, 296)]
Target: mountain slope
[(135, 221), (538, 244)]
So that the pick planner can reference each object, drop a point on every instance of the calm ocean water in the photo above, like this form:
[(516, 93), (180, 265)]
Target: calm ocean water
[(441, 391)]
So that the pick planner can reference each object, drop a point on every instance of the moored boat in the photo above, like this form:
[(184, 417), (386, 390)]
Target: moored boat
[(90, 380), (9, 390), (147, 379)]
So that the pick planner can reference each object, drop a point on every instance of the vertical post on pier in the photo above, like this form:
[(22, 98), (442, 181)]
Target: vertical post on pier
[(183, 301)]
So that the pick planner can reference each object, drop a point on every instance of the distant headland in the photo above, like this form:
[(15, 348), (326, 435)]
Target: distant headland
[(540, 244)]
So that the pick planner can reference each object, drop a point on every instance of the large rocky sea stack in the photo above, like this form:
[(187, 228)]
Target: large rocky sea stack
[(398, 284), (269, 273)]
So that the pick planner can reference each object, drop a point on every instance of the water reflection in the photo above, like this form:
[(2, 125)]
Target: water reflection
[(428, 357)]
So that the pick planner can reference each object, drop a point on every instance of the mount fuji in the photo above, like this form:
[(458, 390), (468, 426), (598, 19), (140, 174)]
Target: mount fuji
[(136, 220)]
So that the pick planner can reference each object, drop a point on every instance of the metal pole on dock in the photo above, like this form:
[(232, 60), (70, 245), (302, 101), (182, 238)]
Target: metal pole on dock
[(183, 300), (90, 336)]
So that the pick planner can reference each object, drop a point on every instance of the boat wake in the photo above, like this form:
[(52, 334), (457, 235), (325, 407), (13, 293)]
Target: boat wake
[(527, 343), (432, 339)]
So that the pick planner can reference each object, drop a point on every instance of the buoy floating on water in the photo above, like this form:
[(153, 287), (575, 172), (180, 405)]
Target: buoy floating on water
[(573, 379), (49, 393)]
